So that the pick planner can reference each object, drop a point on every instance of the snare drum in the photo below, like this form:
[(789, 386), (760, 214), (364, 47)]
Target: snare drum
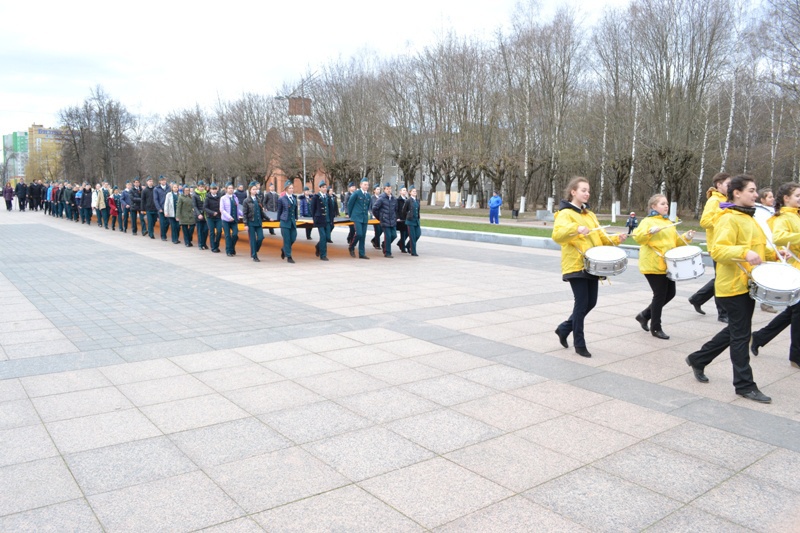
[(684, 262), (605, 261), (776, 284)]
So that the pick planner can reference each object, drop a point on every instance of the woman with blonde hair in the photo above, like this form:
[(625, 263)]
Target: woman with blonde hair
[(572, 230), (657, 235)]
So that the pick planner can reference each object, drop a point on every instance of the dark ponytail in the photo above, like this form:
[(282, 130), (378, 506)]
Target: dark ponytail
[(784, 190)]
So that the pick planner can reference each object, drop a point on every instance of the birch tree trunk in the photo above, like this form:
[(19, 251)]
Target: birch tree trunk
[(633, 150), (730, 126), (703, 166)]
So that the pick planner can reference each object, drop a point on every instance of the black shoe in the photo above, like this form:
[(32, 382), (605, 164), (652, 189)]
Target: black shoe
[(329, 241), (388, 256), (562, 340), (154, 238), (323, 258), (794, 363), (190, 245), (309, 238), (723, 318), (187, 245), (215, 251), (289, 259), (229, 254), (697, 307), (164, 239), (414, 255), (133, 233), (352, 252), (698, 372), (642, 321), (660, 334), (755, 395), (256, 259), (754, 347), (363, 257), (582, 351), (283, 255), (316, 251)]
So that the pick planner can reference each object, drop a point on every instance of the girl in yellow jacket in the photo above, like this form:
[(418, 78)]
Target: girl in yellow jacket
[(657, 236), (738, 240), (785, 226), (573, 231)]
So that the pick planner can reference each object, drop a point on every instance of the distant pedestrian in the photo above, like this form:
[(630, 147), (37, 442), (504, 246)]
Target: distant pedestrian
[(8, 195), (631, 223), (494, 208)]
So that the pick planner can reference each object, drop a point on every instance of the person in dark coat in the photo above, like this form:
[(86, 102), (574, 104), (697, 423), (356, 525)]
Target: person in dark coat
[(212, 210), (410, 214), (287, 216), (86, 204), (159, 196), (150, 207), (333, 211), (305, 211), (198, 200), (401, 221), (376, 228), (253, 216), (319, 207), (271, 202), (8, 195), (358, 209), (21, 191), (351, 188), (385, 210)]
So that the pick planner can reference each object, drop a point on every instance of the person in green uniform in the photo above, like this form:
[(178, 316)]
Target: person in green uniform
[(287, 216), (358, 206)]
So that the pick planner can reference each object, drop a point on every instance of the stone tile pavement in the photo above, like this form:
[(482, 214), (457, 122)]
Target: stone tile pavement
[(147, 387)]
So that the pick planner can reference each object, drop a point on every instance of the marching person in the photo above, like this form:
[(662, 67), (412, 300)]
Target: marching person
[(8, 195), (137, 209), (21, 192), (376, 228), (253, 215), (785, 227), (184, 214), (411, 216), (287, 215), (229, 212), (125, 204), (319, 207), (739, 245), (198, 199), (358, 209), (657, 235), (764, 211), (401, 220), (385, 210), (86, 204), (211, 208), (572, 230), (114, 203), (271, 202), (333, 211), (304, 210), (150, 207), (351, 231), (171, 211), (716, 194)]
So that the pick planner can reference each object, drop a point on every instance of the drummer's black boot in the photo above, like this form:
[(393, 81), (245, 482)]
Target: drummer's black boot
[(640, 318), (660, 334)]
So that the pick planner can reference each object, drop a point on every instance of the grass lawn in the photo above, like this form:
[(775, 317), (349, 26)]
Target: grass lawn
[(488, 228)]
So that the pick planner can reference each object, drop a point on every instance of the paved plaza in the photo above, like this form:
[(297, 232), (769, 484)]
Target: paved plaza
[(149, 387)]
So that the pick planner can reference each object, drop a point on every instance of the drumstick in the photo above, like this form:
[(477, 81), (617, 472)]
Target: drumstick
[(591, 230), (791, 254)]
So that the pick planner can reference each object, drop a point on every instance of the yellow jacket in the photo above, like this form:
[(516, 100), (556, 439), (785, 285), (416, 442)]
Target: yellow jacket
[(655, 245), (786, 231), (565, 233), (735, 234), (711, 212)]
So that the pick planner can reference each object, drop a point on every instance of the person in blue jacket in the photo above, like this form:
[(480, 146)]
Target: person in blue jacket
[(287, 216), (494, 208)]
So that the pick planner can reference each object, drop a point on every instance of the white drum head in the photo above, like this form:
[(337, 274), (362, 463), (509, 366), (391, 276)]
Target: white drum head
[(605, 253), (683, 252), (777, 276)]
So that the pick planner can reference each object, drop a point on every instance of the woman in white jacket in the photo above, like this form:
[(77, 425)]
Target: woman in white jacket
[(765, 208)]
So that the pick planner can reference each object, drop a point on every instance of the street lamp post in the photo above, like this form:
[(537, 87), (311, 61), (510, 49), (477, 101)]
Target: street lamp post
[(288, 98)]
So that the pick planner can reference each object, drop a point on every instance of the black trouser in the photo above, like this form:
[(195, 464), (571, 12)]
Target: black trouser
[(202, 233), (584, 290), (706, 292), (663, 291), (789, 316), (309, 229), (735, 335), (8, 204), (403, 240), (188, 233), (376, 240)]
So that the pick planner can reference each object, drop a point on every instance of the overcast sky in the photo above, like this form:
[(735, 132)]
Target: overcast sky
[(155, 57)]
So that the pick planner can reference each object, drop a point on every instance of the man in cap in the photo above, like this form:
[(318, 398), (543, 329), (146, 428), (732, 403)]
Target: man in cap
[(287, 216), (385, 210), (319, 207), (358, 209)]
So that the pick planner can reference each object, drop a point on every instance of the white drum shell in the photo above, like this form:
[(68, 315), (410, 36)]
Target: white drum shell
[(775, 284), (605, 261), (684, 262)]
